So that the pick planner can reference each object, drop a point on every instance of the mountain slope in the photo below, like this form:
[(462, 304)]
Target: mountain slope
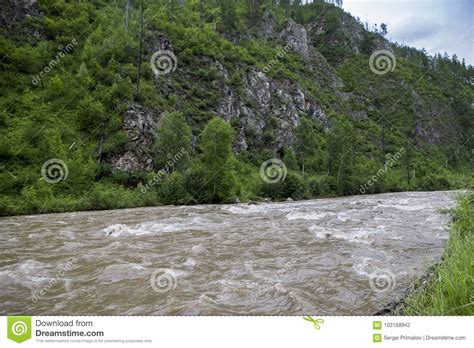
[(89, 122)]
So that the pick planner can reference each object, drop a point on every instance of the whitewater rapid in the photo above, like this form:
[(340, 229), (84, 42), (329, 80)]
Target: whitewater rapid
[(338, 256)]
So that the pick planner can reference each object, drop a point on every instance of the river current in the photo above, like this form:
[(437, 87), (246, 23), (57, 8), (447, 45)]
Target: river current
[(338, 256)]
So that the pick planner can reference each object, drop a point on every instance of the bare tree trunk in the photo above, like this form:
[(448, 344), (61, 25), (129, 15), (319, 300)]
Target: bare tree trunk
[(383, 137), (127, 9), (172, 10), (302, 164), (140, 49), (415, 123), (201, 10), (408, 149), (101, 142), (339, 171)]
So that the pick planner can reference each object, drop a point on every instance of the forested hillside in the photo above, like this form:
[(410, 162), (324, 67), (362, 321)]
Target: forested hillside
[(110, 104)]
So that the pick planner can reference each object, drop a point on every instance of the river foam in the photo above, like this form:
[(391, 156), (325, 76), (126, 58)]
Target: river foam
[(288, 258)]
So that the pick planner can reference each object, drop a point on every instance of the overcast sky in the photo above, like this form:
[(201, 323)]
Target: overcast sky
[(436, 25)]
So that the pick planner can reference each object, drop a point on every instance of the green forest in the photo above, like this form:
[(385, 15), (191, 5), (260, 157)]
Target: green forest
[(87, 123)]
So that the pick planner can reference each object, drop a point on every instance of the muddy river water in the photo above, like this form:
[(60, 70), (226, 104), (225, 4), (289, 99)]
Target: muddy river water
[(337, 256)]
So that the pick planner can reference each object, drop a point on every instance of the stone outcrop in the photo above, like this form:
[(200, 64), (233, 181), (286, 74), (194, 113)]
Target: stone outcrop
[(159, 42), (294, 34), (267, 26), (267, 103), (263, 105), (139, 124), (14, 13), (350, 34)]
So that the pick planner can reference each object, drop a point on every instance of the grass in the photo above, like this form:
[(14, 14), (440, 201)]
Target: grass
[(450, 290)]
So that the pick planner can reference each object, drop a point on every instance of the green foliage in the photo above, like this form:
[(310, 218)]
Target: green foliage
[(172, 190), (341, 156), (433, 182), (217, 181), (173, 137), (293, 186), (309, 146), (290, 159), (74, 111)]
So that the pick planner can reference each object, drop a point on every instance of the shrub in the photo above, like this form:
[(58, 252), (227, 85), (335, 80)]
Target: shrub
[(327, 185), (434, 182), (172, 190), (292, 186)]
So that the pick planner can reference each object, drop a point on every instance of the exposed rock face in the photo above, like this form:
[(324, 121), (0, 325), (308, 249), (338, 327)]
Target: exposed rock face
[(294, 34), (228, 108), (267, 103), (160, 42), (139, 124), (264, 109), (381, 44), (14, 12), (353, 31), (350, 35), (267, 26), (357, 105)]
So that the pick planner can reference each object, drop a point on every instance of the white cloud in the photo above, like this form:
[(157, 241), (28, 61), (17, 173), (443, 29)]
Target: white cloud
[(437, 25)]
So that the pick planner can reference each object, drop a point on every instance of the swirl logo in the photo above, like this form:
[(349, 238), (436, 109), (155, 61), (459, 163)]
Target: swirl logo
[(19, 328), (382, 280), (163, 280), (54, 170), (273, 171), (163, 62), (382, 62)]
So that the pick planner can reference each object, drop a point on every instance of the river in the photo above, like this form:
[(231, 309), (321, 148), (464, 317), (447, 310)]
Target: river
[(338, 256)]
